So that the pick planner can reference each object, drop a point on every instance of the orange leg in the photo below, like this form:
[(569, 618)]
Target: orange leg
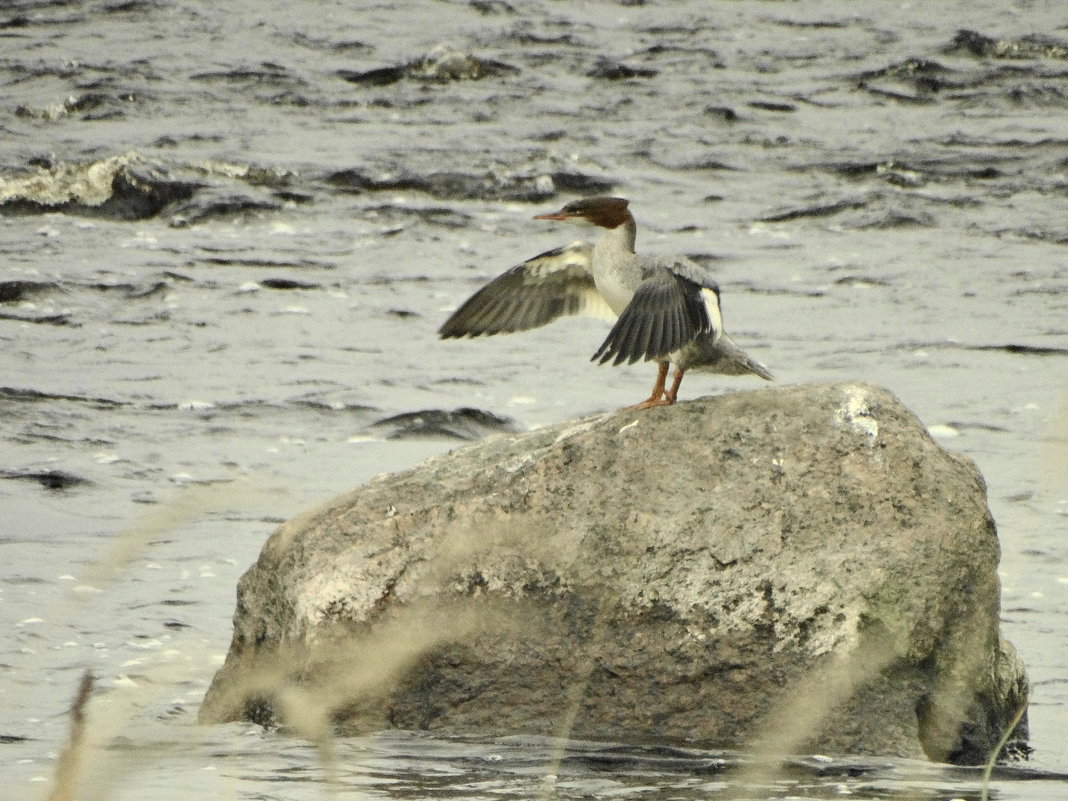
[(672, 394), (657, 396)]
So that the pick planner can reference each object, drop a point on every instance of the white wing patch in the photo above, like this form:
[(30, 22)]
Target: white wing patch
[(578, 254), (594, 305), (711, 299)]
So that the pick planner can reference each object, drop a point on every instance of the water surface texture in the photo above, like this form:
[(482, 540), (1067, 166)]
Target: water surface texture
[(231, 230)]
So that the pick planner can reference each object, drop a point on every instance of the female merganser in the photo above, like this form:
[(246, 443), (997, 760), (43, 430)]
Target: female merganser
[(667, 308)]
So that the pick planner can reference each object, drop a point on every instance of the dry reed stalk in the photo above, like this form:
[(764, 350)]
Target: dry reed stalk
[(68, 766)]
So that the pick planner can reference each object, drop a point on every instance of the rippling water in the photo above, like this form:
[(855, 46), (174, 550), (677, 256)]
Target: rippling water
[(230, 231)]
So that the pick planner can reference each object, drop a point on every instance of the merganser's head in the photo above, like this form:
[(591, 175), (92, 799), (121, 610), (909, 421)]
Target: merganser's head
[(606, 212)]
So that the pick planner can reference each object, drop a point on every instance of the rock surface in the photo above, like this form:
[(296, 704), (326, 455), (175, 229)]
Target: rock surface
[(793, 569)]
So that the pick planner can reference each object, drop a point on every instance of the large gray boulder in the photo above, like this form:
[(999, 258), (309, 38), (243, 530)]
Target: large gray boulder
[(793, 569)]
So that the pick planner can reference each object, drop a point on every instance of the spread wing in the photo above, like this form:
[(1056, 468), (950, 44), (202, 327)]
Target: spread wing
[(550, 285), (675, 303)]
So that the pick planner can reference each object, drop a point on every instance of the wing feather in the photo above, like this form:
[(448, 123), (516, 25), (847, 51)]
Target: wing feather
[(553, 284), (668, 310)]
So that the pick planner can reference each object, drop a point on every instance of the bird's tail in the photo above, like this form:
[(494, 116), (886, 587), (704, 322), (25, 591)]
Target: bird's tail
[(732, 360)]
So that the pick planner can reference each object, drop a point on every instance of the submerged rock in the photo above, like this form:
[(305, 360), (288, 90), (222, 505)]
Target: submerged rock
[(116, 187), (440, 65), (1032, 46), (463, 423), (49, 479), (18, 290), (795, 569), (615, 71), (489, 184), (129, 187)]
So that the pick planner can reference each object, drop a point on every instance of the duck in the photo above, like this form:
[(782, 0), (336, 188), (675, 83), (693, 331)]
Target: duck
[(665, 309)]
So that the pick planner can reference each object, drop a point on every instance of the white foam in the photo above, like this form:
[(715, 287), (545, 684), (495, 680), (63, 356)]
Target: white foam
[(943, 431), (195, 405)]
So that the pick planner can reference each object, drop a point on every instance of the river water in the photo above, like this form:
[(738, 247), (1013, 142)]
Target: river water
[(230, 231)]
